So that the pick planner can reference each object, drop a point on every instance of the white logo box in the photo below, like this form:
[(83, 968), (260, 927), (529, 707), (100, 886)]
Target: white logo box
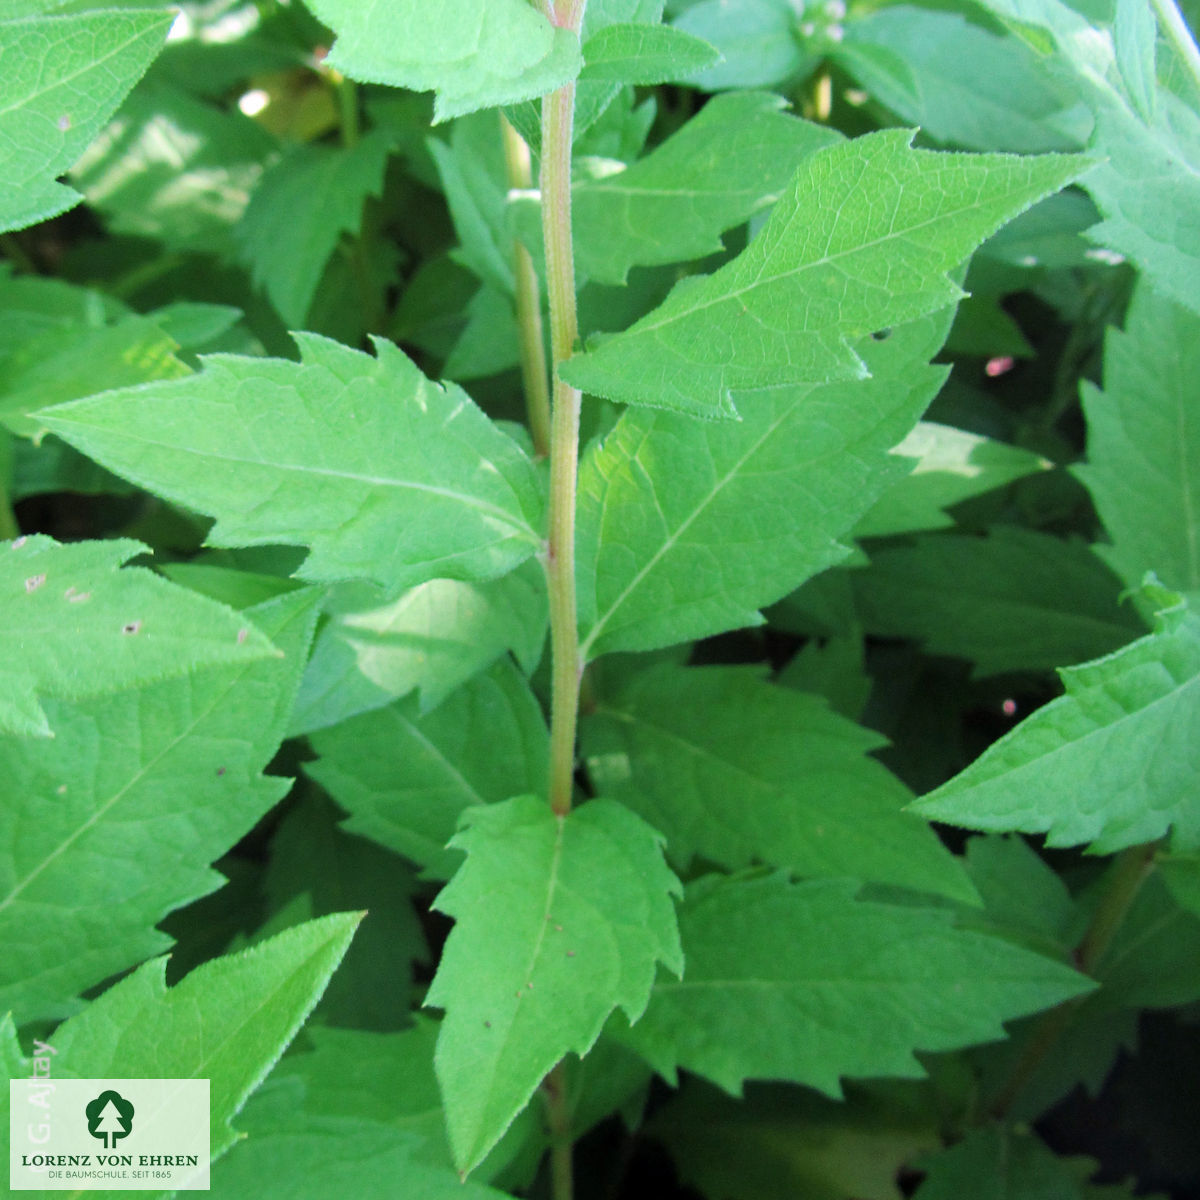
[(108, 1134)]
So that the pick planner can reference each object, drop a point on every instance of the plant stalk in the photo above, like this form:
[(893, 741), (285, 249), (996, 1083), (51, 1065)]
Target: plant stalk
[(528, 301), (558, 120), (1131, 869), (558, 115)]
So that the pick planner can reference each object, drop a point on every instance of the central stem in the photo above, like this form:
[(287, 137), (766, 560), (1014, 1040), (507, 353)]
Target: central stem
[(558, 121), (558, 116)]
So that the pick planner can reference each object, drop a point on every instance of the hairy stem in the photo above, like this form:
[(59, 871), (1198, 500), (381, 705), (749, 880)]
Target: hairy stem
[(558, 119), (1130, 870), (528, 302), (558, 112)]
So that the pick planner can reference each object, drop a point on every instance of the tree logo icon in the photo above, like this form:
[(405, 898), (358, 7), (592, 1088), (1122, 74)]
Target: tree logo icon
[(109, 1117)]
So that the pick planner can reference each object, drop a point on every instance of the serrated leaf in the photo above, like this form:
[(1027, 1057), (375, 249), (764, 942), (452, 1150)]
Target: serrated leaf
[(1149, 173), (862, 239), (733, 158), (1017, 600), (645, 54), (383, 474), (802, 983), (1112, 762), (559, 920), (951, 465), (734, 770), (61, 78), (687, 528), (73, 626), (1143, 467), (997, 1163), (316, 194), (962, 84), (405, 776), (431, 639), (114, 823), (71, 363), (227, 1022), (478, 54)]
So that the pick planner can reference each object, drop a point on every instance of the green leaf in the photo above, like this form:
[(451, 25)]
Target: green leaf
[(61, 78), (474, 179), (733, 158), (1149, 171), (950, 465), (862, 240), (558, 921), (405, 777), (1181, 874), (34, 305), (645, 54), (686, 528), (316, 194), (113, 823), (195, 169), (1022, 896), (780, 1143), (227, 1022), (802, 983), (431, 639), (1143, 467), (67, 364), (963, 85), (1016, 600), (1135, 32), (1154, 958), (756, 39), (997, 1163), (478, 54), (72, 626), (299, 1157), (385, 475), (1110, 763), (734, 770), (316, 867), (388, 1079)]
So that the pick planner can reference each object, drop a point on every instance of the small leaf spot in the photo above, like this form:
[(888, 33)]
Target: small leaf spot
[(487, 1024), (80, 598), (530, 985), (63, 123), (132, 627), (34, 582), (558, 929), (570, 953), (220, 770), (19, 542), (243, 634), (61, 790)]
